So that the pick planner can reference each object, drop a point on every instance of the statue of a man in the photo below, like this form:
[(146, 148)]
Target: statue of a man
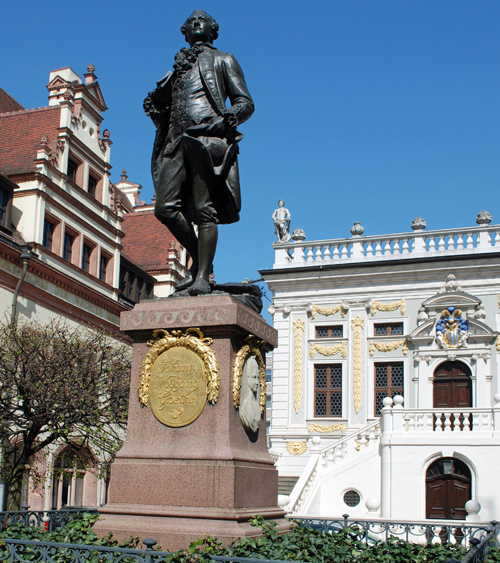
[(282, 218), (194, 165)]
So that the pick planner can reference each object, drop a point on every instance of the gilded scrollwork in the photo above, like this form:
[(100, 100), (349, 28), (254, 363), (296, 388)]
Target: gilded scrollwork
[(498, 343), (357, 326), (328, 350), (378, 306), (193, 340), (326, 429), (296, 448), (327, 311), (251, 347), (298, 328), (389, 346)]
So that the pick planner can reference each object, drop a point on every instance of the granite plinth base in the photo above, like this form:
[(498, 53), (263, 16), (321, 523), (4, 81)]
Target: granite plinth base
[(211, 476), (173, 533)]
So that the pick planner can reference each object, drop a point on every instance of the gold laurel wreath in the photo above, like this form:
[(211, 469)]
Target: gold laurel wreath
[(251, 347)]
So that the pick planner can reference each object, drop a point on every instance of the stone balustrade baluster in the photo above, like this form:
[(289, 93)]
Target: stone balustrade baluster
[(447, 421), (406, 246), (328, 252), (456, 421)]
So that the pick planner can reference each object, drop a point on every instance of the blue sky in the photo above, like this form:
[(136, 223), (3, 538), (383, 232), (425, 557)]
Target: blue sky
[(366, 110)]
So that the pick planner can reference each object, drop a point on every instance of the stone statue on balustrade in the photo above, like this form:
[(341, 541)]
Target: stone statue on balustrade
[(282, 218), (194, 164)]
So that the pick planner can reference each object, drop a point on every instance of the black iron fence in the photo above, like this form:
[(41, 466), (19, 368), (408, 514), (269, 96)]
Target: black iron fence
[(49, 519), (27, 551), (461, 533), (477, 538)]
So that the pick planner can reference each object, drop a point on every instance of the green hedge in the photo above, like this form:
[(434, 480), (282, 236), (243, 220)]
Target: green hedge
[(300, 544)]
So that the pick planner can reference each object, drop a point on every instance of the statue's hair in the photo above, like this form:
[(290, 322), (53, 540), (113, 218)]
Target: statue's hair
[(213, 24)]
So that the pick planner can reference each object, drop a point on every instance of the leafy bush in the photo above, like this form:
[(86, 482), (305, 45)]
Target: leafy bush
[(300, 544)]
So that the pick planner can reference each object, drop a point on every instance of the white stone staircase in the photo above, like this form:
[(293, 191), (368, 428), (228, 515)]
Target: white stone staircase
[(323, 459)]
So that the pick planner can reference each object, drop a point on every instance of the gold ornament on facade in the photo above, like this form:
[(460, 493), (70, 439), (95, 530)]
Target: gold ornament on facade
[(498, 343), (327, 311), (296, 448), (251, 347), (357, 325), (298, 328), (178, 375), (378, 306), (326, 429), (328, 350), (389, 346)]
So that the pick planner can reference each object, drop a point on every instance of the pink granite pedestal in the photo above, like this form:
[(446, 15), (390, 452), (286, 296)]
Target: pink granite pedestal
[(175, 484)]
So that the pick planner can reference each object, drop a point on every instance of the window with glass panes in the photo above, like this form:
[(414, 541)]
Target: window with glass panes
[(68, 246), (386, 329), (92, 185), (389, 382), (329, 331), (4, 201), (72, 168), (103, 267), (48, 233), (87, 251), (328, 390)]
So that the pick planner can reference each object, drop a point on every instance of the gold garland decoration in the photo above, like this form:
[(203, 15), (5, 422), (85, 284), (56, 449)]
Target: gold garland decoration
[(298, 329), (325, 429), (296, 448), (327, 311), (194, 340), (388, 346), (251, 347), (378, 306), (498, 343), (328, 350), (357, 325)]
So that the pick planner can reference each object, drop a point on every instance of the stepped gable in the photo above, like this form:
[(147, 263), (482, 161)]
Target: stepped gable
[(21, 132), (147, 242), (7, 102)]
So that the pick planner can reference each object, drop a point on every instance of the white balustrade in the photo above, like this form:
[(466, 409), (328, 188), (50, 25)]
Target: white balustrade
[(386, 247), (437, 420)]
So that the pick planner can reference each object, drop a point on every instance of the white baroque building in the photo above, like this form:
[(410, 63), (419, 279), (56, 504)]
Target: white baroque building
[(385, 380)]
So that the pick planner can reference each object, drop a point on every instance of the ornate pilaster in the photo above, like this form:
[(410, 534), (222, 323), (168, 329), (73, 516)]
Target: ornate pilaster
[(298, 328), (357, 325)]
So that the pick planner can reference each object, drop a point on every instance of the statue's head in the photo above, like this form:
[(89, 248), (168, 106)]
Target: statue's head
[(200, 26), (281, 203)]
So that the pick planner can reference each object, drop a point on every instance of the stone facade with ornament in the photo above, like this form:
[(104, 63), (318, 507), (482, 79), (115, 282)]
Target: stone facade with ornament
[(68, 239), (386, 396)]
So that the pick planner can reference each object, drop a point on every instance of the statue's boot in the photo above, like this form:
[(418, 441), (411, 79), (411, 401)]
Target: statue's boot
[(187, 280), (207, 244), (183, 231)]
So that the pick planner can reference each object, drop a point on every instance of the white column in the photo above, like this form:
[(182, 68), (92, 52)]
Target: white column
[(385, 455)]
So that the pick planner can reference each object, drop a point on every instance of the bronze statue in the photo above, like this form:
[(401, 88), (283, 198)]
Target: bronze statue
[(194, 164)]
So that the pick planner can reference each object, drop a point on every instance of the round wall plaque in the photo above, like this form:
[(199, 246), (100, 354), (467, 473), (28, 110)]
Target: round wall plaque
[(178, 386)]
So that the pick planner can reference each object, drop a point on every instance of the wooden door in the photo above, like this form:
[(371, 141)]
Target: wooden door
[(453, 388), (448, 488)]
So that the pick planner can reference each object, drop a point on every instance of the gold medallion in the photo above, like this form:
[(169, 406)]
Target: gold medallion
[(178, 387), (178, 375)]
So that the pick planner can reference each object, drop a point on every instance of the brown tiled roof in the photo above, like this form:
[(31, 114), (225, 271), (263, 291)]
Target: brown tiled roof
[(146, 241), (20, 134), (7, 102)]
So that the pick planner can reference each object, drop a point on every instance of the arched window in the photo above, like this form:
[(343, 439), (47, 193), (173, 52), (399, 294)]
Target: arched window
[(68, 478)]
